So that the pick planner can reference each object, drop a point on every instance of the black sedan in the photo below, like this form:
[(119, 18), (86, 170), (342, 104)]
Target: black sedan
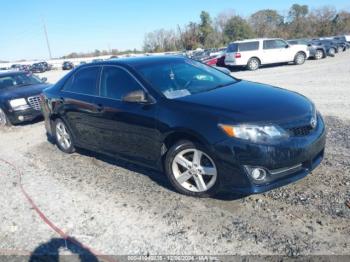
[(19, 97), (205, 129)]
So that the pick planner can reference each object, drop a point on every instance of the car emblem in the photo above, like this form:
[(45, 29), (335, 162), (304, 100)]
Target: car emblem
[(313, 122)]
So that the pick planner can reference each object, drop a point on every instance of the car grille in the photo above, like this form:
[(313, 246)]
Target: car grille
[(300, 131), (34, 102)]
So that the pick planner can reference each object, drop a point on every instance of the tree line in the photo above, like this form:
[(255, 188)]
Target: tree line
[(299, 22)]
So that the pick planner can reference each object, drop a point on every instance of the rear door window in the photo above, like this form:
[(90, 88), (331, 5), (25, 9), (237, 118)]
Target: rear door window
[(85, 81), (249, 46), (274, 44)]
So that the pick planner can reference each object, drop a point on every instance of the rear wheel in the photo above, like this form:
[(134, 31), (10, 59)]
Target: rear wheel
[(299, 58), (4, 121), (319, 54), (340, 49), (191, 170), (63, 137), (253, 64)]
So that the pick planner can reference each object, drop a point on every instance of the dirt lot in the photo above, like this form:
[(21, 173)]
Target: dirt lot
[(118, 208)]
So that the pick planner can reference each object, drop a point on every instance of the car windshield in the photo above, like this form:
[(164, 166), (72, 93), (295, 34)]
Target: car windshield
[(17, 80), (184, 78)]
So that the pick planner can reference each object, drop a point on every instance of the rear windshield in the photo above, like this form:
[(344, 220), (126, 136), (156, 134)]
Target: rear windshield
[(240, 47), (232, 48)]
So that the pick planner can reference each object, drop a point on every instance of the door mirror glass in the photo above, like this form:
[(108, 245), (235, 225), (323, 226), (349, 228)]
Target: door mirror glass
[(287, 46), (44, 79), (137, 96)]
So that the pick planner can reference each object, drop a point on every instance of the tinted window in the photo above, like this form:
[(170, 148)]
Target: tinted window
[(84, 81), (250, 46), (232, 48), (116, 83), (274, 44)]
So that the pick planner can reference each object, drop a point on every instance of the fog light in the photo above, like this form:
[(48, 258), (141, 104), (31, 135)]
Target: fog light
[(258, 173), (21, 118)]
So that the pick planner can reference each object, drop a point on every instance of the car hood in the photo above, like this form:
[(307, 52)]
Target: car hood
[(24, 91), (252, 102)]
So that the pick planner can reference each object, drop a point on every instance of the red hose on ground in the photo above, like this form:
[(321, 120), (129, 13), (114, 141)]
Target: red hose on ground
[(50, 223)]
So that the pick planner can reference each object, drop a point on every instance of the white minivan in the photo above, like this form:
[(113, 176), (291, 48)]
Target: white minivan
[(253, 53)]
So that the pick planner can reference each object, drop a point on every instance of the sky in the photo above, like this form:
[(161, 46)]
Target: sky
[(86, 25)]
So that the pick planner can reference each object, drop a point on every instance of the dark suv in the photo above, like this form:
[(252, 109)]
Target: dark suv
[(316, 51), (205, 129)]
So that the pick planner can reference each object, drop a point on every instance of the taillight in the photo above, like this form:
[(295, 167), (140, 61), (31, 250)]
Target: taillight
[(238, 55)]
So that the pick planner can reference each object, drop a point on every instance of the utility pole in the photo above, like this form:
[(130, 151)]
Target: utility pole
[(47, 39)]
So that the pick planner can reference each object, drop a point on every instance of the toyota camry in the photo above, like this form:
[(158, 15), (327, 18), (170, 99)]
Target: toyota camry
[(206, 130)]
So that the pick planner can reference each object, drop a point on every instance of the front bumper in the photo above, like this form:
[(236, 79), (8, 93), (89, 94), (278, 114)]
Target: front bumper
[(17, 117), (306, 152)]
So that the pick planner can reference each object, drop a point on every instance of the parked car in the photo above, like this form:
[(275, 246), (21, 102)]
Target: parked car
[(19, 97), (254, 53), (342, 41), (46, 65), (38, 68), (67, 65), (205, 129), (316, 51), (330, 46)]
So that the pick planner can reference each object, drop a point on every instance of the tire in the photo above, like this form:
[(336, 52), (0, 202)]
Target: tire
[(299, 58), (253, 64), (331, 52), (319, 54), (188, 175), (63, 137), (340, 49), (4, 121)]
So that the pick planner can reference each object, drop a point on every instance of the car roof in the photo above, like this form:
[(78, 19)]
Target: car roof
[(140, 61)]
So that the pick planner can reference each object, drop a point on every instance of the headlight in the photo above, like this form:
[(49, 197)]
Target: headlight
[(19, 104), (256, 133)]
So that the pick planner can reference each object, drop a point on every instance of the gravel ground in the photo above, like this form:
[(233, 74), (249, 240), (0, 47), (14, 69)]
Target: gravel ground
[(119, 208)]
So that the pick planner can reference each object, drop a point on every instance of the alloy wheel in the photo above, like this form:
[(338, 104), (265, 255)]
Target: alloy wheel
[(62, 135), (194, 170), (319, 54), (253, 64)]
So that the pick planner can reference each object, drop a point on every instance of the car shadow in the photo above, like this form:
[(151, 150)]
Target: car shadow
[(157, 176), (50, 251)]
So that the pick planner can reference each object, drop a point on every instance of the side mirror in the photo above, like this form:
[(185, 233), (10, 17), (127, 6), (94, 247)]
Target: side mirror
[(287, 46), (44, 79), (137, 96)]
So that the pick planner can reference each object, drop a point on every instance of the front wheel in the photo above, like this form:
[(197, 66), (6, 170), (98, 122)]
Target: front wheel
[(191, 170), (319, 54), (4, 121), (63, 137), (299, 58)]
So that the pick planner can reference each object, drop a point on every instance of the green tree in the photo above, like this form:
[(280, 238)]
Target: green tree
[(237, 28), (266, 23), (206, 29)]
